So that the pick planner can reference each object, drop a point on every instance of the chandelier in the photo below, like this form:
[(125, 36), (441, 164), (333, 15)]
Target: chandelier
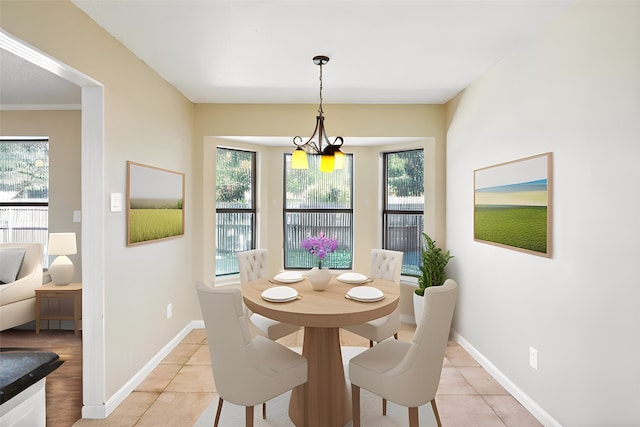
[(331, 156)]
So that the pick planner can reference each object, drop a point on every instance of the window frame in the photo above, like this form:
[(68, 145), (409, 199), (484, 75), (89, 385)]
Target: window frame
[(349, 159), (253, 210), (386, 212), (34, 204)]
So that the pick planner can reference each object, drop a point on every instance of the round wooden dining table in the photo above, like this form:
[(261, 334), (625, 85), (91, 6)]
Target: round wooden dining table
[(322, 314)]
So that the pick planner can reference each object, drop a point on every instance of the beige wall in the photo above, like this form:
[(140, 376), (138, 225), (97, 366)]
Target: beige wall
[(425, 123), (145, 120), (63, 130)]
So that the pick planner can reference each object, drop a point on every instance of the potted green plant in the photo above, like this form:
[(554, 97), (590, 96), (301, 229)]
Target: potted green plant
[(433, 272)]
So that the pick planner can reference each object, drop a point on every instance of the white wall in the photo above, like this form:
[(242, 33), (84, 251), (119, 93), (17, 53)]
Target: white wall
[(575, 92)]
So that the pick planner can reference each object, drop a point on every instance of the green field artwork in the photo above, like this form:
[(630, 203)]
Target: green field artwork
[(155, 204), (512, 204)]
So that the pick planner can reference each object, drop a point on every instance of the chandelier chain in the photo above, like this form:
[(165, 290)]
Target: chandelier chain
[(320, 106)]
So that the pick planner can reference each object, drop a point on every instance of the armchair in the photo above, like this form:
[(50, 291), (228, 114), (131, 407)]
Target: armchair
[(385, 264), (18, 298), (408, 373)]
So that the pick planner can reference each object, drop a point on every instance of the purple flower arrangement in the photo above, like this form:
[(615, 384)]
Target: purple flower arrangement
[(319, 246)]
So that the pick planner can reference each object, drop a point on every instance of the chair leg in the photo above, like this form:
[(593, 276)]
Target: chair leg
[(355, 404), (218, 412), (435, 412), (249, 416), (384, 406), (413, 417), (264, 411)]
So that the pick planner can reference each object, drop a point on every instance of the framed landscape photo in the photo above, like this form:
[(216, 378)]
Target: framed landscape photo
[(512, 205), (155, 201)]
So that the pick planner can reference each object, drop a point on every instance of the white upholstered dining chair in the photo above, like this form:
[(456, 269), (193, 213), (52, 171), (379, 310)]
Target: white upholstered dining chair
[(247, 371), (253, 264), (385, 264), (408, 373)]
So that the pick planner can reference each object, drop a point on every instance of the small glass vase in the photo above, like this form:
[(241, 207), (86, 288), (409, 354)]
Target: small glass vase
[(319, 278)]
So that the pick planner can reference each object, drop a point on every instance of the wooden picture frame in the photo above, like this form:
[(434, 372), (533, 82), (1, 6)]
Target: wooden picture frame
[(155, 204), (512, 205)]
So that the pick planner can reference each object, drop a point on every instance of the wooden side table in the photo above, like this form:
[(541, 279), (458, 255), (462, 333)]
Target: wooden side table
[(51, 290)]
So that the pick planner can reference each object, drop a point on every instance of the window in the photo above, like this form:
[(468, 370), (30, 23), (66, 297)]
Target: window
[(235, 207), (403, 212), (24, 191), (318, 202)]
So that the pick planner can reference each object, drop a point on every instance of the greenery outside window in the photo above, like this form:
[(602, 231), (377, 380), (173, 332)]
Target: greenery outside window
[(235, 207), (24, 191), (318, 202), (403, 211)]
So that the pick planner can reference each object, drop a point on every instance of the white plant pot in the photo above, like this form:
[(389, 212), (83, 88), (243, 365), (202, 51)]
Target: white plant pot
[(319, 278), (418, 308)]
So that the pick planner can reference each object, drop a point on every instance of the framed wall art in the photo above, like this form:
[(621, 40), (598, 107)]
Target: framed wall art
[(155, 204), (512, 204)]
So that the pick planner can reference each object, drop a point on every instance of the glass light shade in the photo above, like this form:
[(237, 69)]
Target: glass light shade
[(62, 244), (299, 159), (327, 163), (338, 159)]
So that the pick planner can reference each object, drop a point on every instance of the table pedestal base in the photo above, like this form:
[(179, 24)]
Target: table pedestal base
[(329, 398)]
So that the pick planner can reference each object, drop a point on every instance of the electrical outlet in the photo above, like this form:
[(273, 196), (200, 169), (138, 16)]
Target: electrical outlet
[(533, 358), (169, 311)]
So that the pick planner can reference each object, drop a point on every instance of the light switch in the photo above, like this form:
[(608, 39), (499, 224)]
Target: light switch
[(116, 202), (77, 216)]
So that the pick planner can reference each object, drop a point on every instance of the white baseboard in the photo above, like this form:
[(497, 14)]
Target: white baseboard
[(112, 403), (524, 399)]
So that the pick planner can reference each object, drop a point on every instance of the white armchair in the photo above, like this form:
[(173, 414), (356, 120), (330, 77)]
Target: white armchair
[(247, 371), (17, 297), (408, 373), (253, 265), (385, 264)]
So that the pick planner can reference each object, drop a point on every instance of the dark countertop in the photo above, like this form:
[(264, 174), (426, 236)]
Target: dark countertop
[(21, 368)]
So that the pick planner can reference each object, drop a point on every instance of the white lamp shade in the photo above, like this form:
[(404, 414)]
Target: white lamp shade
[(62, 244)]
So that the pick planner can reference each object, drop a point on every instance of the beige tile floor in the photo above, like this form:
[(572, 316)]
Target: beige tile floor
[(181, 387)]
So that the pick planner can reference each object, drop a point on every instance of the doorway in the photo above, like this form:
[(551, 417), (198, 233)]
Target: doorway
[(92, 226)]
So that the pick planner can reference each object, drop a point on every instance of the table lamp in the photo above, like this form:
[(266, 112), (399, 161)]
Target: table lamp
[(61, 269)]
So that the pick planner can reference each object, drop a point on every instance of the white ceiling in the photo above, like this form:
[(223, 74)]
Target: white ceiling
[(387, 52), (27, 86)]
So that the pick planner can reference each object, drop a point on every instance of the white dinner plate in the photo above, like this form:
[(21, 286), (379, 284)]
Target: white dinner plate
[(353, 278), (280, 294), (365, 294), (288, 277)]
